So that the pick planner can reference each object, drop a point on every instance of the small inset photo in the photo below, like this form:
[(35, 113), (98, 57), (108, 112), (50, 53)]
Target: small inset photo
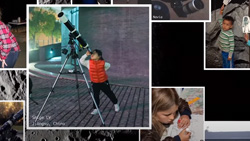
[(181, 10), (91, 70), (91, 1), (177, 114), (132, 1), (227, 130), (12, 84), (11, 121), (82, 135), (54, 1), (227, 36)]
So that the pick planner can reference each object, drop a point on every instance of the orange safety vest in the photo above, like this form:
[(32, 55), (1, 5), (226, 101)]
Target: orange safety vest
[(97, 71)]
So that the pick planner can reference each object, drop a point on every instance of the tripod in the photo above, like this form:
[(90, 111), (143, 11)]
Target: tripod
[(30, 90), (74, 56), (33, 99)]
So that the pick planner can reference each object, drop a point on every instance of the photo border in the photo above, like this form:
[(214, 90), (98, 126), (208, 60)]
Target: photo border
[(237, 122), (91, 5), (187, 21), (24, 114), (204, 55), (204, 113)]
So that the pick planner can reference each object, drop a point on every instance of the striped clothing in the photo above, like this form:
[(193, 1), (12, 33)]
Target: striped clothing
[(226, 40), (7, 41)]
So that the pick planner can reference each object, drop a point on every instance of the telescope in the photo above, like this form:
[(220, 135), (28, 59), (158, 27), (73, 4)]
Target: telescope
[(73, 31), (191, 7), (161, 10), (74, 34), (8, 124)]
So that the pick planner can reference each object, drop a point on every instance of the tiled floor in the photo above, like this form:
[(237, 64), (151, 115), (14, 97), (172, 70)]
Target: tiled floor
[(62, 108)]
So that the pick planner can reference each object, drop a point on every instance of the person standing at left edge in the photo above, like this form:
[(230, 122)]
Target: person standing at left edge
[(9, 48)]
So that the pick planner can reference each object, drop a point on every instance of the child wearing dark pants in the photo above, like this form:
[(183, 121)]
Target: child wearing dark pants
[(99, 79), (105, 87)]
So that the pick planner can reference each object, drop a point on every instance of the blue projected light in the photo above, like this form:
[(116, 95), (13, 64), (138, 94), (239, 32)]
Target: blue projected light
[(51, 50)]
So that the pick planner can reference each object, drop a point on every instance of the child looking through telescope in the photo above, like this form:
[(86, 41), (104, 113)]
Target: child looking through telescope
[(99, 79)]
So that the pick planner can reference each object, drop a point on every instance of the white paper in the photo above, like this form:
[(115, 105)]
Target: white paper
[(196, 128), (197, 122), (226, 2)]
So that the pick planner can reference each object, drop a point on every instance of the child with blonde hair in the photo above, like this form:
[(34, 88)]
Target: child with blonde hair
[(166, 105)]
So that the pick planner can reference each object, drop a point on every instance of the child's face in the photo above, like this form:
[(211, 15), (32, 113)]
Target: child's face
[(226, 25), (94, 56), (167, 116)]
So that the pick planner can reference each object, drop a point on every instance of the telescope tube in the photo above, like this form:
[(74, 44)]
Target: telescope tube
[(8, 124), (73, 30), (193, 6)]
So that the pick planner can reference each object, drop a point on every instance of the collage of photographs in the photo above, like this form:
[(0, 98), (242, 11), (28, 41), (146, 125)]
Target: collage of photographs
[(124, 70)]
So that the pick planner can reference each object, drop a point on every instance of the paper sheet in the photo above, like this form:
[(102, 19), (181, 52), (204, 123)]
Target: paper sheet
[(197, 121), (196, 127), (191, 93), (226, 2)]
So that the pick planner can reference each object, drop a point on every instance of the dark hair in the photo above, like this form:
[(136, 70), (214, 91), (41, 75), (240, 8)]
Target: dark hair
[(99, 52), (229, 18)]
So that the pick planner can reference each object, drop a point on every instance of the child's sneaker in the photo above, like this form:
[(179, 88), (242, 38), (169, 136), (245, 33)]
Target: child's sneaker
[(94, 112), (117, 107)]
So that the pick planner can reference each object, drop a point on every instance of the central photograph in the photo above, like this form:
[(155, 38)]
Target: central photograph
[(88, 67)]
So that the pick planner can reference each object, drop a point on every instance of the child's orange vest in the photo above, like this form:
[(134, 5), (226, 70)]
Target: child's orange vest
[(97, 71)]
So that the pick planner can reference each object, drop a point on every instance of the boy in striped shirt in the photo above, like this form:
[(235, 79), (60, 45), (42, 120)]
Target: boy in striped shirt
[(226, 40)]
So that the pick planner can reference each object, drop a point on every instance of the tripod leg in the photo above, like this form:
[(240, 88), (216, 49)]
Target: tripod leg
[(77, 86), (90, 91), (52, 89), (32, 99)]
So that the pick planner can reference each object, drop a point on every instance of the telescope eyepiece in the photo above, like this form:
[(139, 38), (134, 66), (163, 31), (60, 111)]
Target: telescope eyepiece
[(60, 14)]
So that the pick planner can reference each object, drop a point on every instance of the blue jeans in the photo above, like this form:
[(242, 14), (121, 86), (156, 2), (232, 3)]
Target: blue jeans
[(226, 63), (11, 59)]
